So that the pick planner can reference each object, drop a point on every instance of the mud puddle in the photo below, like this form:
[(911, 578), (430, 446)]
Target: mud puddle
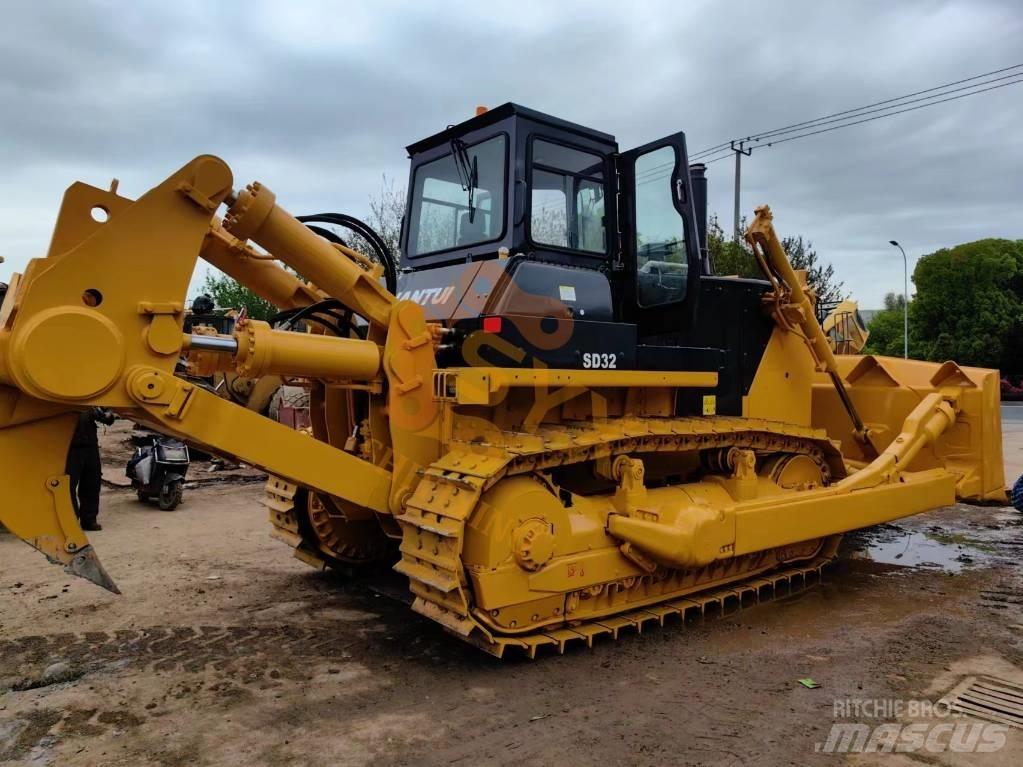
[(948, 540)]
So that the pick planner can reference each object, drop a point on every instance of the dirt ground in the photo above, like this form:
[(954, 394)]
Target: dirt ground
[(224, 649)]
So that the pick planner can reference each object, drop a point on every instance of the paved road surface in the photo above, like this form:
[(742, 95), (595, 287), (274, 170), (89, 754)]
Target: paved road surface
[(1012, 433)]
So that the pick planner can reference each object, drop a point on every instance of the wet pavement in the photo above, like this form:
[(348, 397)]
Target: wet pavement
[(1012, 432), (955, 539), (951, 540), (1012, 412)]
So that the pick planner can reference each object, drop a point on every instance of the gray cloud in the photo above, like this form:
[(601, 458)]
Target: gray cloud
[(319, 99)]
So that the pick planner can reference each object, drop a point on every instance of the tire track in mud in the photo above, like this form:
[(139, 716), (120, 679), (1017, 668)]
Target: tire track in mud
[(1005, 598), (33, 732), (212, 666), (190, 649)]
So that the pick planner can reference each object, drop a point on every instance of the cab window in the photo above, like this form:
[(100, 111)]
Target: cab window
[(446, 213), (567, 198)]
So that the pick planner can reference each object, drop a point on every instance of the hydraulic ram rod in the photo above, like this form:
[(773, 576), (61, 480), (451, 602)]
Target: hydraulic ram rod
[(257, 272), (259, 350), (219, 344), (768, 250)]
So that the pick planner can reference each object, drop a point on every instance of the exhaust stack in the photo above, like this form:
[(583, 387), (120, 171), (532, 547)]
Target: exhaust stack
[(698, 180)]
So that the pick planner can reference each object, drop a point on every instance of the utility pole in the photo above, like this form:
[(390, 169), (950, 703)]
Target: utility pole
[(905, 300), (737, 147)]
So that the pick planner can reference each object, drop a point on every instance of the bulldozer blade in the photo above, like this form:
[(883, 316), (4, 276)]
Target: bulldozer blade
[(85, 564), (36, 501), (887, 389)]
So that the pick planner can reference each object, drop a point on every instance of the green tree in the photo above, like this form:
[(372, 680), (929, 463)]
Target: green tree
[(969, 304), (731, 258), (228, 293), (887, 329), (728, 257)]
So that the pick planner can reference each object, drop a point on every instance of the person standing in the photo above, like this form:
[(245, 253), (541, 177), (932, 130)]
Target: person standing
[(84, 467)]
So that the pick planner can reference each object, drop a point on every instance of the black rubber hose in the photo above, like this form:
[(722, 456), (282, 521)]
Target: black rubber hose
[(326, 234), (317, 318), (364, 230), (313, 312), (288, 314), (375, 241), (340, 324)]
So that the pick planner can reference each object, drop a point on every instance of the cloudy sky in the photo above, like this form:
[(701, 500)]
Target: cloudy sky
[(318, 100)]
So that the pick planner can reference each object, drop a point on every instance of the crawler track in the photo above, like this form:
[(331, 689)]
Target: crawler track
[(434, 526)]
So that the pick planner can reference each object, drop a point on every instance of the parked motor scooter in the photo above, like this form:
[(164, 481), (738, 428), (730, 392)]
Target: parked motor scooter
[(158, 469)]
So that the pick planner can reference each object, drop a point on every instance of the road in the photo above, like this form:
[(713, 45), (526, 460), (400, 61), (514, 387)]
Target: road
[(1012, 429)]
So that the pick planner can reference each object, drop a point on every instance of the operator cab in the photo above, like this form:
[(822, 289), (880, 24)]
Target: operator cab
[(540, 235), (517, 184), (505, 153)]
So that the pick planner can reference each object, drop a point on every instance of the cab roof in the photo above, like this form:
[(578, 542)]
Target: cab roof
[(495, 115)]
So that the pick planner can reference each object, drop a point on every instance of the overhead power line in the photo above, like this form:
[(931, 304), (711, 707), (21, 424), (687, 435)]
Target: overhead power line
[(888, 111), (879, 110), (848, 118), (891, 114), (850, 114)]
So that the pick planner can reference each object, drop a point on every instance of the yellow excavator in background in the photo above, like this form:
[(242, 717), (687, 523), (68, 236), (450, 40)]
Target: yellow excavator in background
[(551, 439)]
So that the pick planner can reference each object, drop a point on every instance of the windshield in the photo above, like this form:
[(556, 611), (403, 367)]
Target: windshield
[(445, 214)]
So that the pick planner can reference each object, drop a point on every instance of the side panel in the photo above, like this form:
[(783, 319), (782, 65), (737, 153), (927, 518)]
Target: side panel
[(439, 291), (535, 287), (730, 320), (781, 390), (536, 342)]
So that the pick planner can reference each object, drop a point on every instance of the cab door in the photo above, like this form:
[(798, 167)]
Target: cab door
[(658, 236)]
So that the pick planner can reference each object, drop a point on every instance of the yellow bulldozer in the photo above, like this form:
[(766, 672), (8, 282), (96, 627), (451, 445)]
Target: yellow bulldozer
[(553, 419)]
